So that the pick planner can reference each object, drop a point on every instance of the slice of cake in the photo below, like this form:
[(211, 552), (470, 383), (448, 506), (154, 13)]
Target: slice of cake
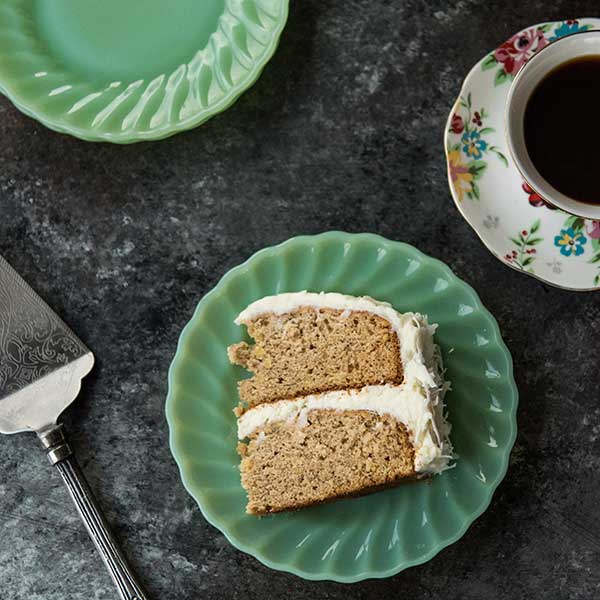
[(346, 398)]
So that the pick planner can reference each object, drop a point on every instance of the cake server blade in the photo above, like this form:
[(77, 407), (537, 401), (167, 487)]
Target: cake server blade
[(42, 363)]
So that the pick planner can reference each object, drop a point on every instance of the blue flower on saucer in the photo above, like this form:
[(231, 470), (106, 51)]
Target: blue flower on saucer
[(570, 242), (473, 145), (567, 28)]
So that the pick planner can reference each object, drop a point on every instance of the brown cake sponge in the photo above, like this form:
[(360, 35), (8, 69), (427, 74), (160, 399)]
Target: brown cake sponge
[(312, 350), (286, 466)]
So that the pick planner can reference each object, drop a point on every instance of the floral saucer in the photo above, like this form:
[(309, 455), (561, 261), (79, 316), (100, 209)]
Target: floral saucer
[(515, 224)]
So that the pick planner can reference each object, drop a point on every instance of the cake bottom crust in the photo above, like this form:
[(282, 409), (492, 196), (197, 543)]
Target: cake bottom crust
[(323, 456)]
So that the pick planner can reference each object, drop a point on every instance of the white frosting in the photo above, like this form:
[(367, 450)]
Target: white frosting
[(284, 303), (417, 403)]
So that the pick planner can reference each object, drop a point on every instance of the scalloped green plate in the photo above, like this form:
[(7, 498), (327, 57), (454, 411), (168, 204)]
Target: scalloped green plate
[(380, 534), (127, 71)]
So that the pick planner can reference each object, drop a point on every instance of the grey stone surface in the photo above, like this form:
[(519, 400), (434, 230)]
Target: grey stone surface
[(343, 131)]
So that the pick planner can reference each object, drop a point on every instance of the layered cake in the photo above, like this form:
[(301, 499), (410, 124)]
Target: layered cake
[(346, 397)]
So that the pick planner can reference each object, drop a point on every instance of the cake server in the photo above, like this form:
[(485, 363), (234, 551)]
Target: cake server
[(42, 363)]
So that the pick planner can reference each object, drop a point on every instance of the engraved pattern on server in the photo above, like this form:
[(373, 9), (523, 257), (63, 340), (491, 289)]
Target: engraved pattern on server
[(33, 340)]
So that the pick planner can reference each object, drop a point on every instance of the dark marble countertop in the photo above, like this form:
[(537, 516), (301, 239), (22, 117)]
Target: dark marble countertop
[(342, 131)]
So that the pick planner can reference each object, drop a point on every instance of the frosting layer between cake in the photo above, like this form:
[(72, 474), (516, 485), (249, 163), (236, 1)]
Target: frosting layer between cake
[(408, 405)]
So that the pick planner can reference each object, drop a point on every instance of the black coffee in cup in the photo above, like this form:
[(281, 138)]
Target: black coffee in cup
[(562, 128)]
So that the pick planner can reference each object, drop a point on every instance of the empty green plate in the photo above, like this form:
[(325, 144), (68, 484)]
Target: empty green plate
[(380, 534), (130, 70)]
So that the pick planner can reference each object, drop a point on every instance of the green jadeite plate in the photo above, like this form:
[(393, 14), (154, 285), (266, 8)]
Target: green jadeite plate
[(380, 534), (130, 70)]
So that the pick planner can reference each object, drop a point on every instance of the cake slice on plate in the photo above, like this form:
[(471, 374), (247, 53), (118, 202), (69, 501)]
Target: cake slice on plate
[(346, 398)]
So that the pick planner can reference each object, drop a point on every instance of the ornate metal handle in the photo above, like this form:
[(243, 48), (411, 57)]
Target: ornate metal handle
[(60, 454)]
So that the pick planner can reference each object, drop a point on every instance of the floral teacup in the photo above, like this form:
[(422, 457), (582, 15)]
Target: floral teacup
[(509, 216), (529, 73)]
